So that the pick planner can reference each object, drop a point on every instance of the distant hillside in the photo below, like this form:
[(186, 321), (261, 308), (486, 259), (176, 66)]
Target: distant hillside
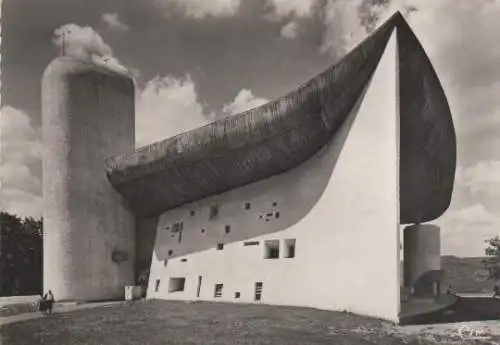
[(465, 274)]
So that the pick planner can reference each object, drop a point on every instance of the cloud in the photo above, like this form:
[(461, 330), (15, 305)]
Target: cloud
[(280, 9), (482, 178), (289, 31), (244, 100), (86, 44), (199, 9), (20, 191), (114, 22), (465, 230), (168, 106)]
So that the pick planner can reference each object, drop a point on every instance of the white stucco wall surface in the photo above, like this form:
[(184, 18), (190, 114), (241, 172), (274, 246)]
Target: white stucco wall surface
[(341, 207)]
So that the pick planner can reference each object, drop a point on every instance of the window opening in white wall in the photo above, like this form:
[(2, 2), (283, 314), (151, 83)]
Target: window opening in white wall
[(198, 288), (290, 248), (220, 245), (165, 262), (170, 252), (177, 226), (272, 249), (203, 231), (157, 285), (184, 260), (227, 229), (218, 290), (258, 291), (237, 295), (247, 206), (214, 211), (176, 284), (251, 243)]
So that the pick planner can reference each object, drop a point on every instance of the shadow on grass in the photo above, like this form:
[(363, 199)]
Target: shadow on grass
[(466, 309)]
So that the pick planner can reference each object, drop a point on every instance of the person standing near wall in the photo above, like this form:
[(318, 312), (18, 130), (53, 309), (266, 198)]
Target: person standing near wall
[(49, 299)]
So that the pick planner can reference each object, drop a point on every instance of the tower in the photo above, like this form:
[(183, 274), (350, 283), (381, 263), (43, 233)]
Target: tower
[(89, 240)]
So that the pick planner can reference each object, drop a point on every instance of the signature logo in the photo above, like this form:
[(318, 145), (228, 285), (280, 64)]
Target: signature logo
[(469, 333)]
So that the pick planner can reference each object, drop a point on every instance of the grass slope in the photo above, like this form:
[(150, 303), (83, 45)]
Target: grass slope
[(162, 322)]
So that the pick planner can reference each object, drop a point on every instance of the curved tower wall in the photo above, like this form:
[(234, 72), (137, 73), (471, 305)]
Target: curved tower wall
[(422, 251), (89, 244)]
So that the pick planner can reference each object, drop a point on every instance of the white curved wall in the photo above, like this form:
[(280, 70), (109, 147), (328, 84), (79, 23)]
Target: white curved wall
[(341, 207), (422, 251), (87, 115)]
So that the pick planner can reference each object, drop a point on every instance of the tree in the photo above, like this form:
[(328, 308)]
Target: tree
[(21, 255), (492, 263)]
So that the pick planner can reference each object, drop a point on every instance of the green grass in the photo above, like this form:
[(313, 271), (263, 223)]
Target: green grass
[(166, 322)]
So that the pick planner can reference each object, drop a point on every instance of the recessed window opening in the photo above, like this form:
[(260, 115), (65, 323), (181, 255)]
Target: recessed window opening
[(170, 252), (218, 290), (275, 204), (258, 291), (157, 285), (214, 211), (192, 213), (237, 295), (177, 227), (272, 249), (228, 229), (251, 243), (290, 248), (277, 215), (220, 246), (247, 206), (167, 227), (165, 262), (203, 231), (184, 260), (176, 284)]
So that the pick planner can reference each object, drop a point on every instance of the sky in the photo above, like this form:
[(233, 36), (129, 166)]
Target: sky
[(196, 60)]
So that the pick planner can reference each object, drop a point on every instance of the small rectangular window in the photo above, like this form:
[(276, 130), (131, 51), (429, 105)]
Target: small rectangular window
[(247, 206), (177, 227), (228, 229), (192, 213), (176, 284), (277, 215), (157, 285), (165, 262), (237, 295), (290, 248), (272, 249), (218, 290), (184, 260), (251, 243), (220, 246), (258, 291), (214, 211)]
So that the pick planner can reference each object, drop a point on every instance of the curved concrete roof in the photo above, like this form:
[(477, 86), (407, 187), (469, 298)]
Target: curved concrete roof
[(281, 134)]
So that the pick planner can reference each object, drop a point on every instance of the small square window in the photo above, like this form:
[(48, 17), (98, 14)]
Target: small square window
[(237, 295), (170, 252), (272, 249), (218, 290), (203, 231), (275, 204), (228, 229), (220, 246), (247, 206), (192, 212), (214, 211), (176, 284), (290, 248)]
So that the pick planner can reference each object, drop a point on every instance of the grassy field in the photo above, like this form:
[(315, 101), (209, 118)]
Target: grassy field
[(162, 322)]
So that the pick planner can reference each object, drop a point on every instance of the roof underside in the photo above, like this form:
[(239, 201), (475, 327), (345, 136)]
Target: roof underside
[(278, 136)]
